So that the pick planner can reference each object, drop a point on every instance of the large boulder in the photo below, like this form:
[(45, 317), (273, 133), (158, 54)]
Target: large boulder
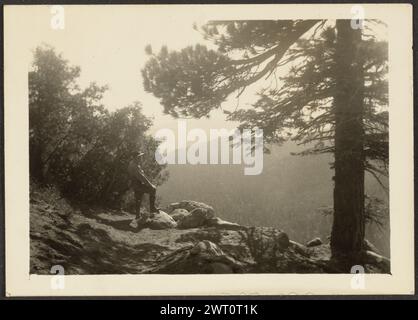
[(157, 221), (161, 220), (198, 217), (190, 205), (179, 214)]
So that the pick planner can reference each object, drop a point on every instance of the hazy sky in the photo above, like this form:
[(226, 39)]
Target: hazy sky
[(108, 44)]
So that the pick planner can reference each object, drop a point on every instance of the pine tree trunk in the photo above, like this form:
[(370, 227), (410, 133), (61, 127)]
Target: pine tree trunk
[(347, 238)]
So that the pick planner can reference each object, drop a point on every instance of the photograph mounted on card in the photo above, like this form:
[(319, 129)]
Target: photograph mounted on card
[(208, 149)]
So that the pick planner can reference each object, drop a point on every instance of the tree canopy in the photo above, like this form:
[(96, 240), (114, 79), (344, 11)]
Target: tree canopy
[(75, 142), (298, 105)]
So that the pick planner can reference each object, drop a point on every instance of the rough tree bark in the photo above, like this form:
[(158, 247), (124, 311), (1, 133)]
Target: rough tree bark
[(347, 238)]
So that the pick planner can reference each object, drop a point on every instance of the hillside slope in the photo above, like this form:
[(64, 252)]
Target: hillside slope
[(104, 242)]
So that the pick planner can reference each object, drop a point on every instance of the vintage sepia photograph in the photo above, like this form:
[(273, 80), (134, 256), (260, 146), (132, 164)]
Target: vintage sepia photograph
[(188, 140)]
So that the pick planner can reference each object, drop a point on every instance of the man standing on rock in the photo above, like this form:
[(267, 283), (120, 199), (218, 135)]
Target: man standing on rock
[(140, 184)]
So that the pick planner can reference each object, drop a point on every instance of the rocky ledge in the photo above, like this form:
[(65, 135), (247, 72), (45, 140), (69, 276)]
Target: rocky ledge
[(184, 238)]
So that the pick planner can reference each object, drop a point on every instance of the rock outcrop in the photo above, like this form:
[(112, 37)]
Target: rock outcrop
[(179, 214), (156, 221), (189, 238), (190, 205), (191, 214)]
